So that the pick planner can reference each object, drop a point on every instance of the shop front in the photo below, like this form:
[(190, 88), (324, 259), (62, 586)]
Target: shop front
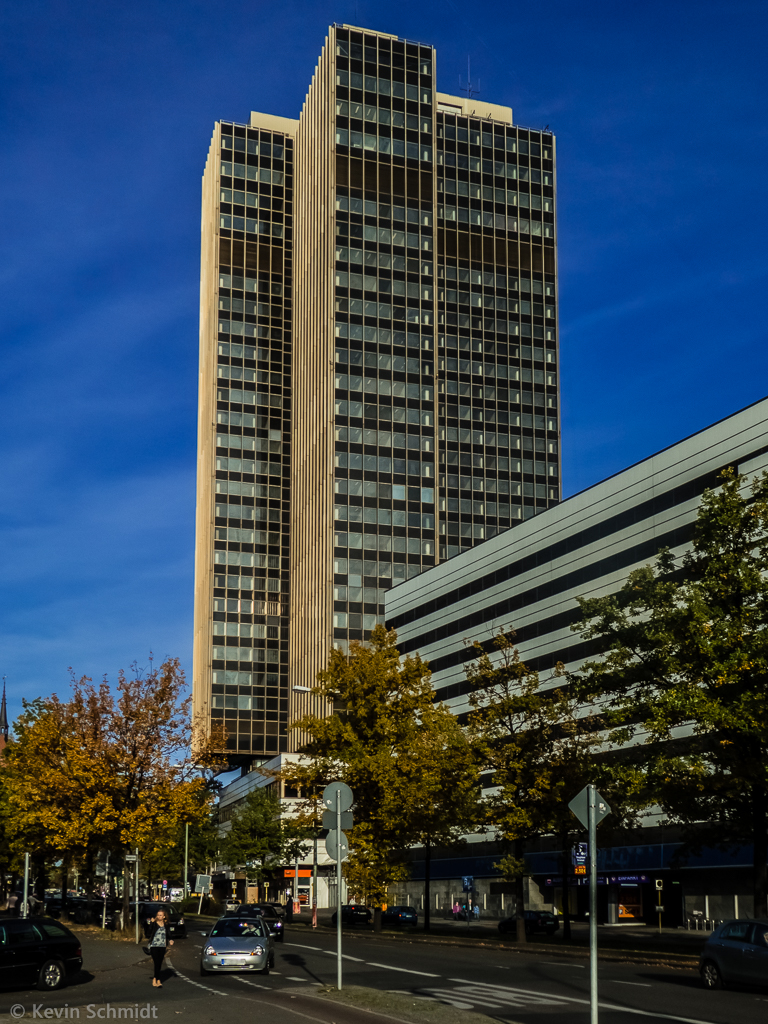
[(622, 898)]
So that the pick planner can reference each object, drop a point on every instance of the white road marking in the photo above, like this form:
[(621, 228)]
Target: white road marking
[(559, 963), (294, 979), (490, 990), (197, 984), (253, 984), (637, 984), (299, 945), (388, 967)]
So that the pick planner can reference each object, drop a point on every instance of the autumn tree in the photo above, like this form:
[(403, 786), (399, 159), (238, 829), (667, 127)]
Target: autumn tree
[(537, 745), (685, 672), (104, 770), (402, 754)]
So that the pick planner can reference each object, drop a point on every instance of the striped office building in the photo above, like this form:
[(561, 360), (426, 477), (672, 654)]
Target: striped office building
[(528, 579)]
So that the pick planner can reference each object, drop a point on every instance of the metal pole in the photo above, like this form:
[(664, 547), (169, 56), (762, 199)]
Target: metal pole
[(136, 894), (314, 884), (338, 890), (592, 818), (24, 910), (186, 861), (296, 882), (106, 890)]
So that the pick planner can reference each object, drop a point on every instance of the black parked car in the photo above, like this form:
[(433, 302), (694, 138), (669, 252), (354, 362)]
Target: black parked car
[(41, 952), (399, 916), (352, 914), (535, 921), (177, 928)]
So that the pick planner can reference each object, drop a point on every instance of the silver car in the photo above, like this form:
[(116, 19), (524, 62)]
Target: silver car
[(736, 952), (234, 944)]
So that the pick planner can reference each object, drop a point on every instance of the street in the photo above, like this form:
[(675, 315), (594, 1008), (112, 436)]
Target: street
[(502, 984)]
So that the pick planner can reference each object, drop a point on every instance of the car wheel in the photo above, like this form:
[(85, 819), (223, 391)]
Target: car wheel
[(203, 972), (51, 976), (710, 975), (281, 937)]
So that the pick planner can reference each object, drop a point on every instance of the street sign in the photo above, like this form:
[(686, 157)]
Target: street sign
[(580, 807), (467, 883), (329, 819), (340, 790), (203, 883), (579, 853), (336, 846), (580, 869), (659, 883), (129, 858)]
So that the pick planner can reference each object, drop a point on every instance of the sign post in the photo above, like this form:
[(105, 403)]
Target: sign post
[(337, 799), (25, 894), (590, 808), (203, 886), (659, 907)]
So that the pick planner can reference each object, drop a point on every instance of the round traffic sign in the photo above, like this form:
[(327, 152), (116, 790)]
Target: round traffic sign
[(336, 846), (337, 793)]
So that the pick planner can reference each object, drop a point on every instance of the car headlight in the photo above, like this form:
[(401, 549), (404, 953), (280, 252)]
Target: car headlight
[(210, 951), (257, 951)]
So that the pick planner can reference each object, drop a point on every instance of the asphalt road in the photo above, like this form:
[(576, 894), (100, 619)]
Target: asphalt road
[(509, 987)]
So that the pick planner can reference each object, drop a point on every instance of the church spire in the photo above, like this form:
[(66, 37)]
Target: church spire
[(4, 716)]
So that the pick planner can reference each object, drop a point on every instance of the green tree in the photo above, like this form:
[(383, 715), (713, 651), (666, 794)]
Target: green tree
[(538, 746), (262, 836), (685, 670), (398, 750)]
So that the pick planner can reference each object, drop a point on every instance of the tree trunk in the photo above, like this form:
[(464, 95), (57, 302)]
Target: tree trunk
[(64, 881), (377, 919), (427, 880), (520, 895), (760, 848), (566, 892)]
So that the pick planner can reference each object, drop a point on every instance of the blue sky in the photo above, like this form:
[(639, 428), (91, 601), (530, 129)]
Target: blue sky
[(660, 115)]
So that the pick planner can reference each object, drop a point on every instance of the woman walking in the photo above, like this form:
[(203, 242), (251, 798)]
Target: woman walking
[(157, 944)]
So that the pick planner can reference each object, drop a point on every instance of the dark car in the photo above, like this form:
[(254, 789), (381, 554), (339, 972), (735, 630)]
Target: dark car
[(535, 921), (353, 913), (736, 952), (399, 916), (41, 952), (266, 912), (177, 928), (273, 920)]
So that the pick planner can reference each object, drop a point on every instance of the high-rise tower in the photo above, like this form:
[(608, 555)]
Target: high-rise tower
[(421, 384)]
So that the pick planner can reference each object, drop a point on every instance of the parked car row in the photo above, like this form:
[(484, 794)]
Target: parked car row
[(397, 916)]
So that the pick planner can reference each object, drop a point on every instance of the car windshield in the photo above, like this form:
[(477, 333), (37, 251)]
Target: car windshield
[(232, 928)]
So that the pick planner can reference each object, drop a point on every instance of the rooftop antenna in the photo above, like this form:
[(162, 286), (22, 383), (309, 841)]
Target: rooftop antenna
[(469, 88)]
